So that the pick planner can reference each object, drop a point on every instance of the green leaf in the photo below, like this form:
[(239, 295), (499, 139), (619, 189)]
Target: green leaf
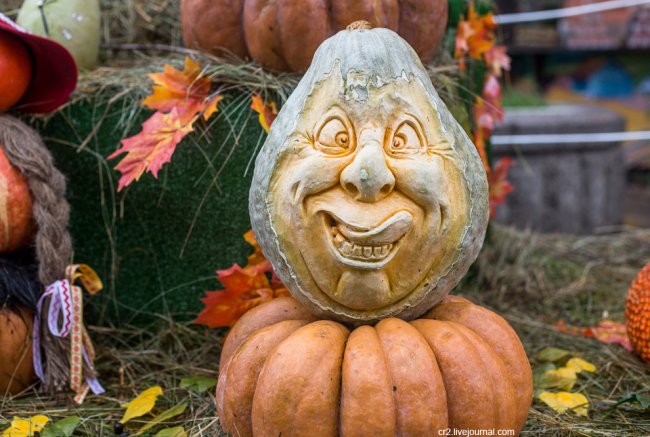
[(642, 398), (552, 354), (177, 431), (61, 428), (198, 383), (163, 417), (540, 371)]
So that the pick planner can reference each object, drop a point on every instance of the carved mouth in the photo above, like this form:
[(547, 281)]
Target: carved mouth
[(364, 247)]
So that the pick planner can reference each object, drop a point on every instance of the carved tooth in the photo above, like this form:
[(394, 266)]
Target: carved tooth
[(338, 238), (357, 250), (367, 251), (384, 250), (346, 248), (390, 247), (376, 251)]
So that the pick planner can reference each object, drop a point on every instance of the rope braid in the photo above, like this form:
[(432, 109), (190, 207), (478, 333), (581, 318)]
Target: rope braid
[(26, 151)]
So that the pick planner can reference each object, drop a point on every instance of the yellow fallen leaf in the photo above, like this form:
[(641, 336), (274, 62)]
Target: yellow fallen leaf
[(564, 401), (25, 427), (563, 378), (580, 365), (142, 404)]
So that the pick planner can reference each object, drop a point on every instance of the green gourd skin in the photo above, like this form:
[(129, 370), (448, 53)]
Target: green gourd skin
[(75, 24)]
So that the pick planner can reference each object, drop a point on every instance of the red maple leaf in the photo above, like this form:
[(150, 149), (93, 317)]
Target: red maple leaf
[(151, 148), (497, 59), (179, 97), (499, 186), (606, 331)]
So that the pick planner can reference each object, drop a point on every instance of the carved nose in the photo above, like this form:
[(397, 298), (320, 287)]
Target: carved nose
[(367, 178)]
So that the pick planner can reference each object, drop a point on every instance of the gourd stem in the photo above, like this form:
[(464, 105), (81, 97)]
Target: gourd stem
[(361, 24)]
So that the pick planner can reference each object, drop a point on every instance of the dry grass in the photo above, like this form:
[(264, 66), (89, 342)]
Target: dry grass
[(533, 280)]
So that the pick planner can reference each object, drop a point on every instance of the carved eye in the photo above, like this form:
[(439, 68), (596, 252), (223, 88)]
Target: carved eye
[(405, 141), (334, 138)]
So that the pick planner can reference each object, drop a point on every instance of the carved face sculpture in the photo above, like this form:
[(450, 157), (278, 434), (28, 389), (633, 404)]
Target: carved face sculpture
[(367, 199)]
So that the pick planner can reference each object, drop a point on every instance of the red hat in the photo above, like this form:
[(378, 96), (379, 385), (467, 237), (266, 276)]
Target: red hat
[(54, 75)]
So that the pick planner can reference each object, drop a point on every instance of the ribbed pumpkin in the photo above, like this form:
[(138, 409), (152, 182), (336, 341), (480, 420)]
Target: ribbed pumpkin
[(16, 369), (16, 224), (283, 35), (637, 313), (460, 366)]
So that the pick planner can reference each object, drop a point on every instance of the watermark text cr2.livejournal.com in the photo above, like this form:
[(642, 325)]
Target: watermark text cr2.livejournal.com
[(475, 432)]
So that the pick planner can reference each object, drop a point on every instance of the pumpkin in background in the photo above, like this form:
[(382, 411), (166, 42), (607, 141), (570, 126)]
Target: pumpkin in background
[(637, 313), (283, 35), (16, 224), (368, 198), (461, 366), (15, 70), (16, 369), (75, 24)]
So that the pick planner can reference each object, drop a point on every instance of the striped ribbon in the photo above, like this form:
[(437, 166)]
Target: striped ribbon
[(65, 318)]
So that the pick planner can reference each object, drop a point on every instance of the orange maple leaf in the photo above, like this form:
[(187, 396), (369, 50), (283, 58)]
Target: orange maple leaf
[(151, 148), (186, 91), (499, 186), (475, 36), (267, 111), (257, 257), (244, 289)]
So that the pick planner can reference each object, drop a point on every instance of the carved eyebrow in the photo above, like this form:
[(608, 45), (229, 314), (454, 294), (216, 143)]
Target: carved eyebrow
[(337, 111), (415, 121)]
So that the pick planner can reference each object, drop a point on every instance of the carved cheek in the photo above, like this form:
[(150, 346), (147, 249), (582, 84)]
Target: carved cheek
[(313, 174), (422, 180)]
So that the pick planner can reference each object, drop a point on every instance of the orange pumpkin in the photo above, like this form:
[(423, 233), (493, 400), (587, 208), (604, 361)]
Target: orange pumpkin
[(16, 224), (460, 366), (15, 70), (637, 313), (283, 35), (16, 369)]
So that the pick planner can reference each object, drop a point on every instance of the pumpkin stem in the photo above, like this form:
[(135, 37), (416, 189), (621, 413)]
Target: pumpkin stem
[(361, 24)]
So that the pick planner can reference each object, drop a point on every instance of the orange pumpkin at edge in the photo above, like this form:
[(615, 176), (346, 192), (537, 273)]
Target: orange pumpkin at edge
[(460, 366), (16, 368), (16, 220), (15, 70), (637, 313), (284, 35)]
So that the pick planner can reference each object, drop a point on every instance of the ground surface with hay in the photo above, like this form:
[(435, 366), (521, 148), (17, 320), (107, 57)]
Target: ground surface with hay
[(533, 280)]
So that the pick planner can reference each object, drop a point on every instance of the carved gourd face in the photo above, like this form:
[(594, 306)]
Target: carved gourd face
[(363, 193), (368, 201)]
